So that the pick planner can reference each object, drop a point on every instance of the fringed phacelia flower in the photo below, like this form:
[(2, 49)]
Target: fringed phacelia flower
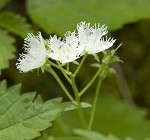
[(89, 39), (66, 50), (92, 38), (34, 55)]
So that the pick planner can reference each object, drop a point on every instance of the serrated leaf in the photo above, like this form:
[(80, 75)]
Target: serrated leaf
[(3, 2), (61, 16), (14, 23), (22, 117), (6, 49)]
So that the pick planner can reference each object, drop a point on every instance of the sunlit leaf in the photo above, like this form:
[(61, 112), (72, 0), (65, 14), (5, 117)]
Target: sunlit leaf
[(24, 116), (14, 23), (61, 16)]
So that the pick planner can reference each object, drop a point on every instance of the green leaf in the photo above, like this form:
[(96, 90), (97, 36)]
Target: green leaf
[(61, 16), (112, 117), (6, 49), (96, 57), (96, 65), (68, 106), (91, 135), (46, 137), (3, 2), (75, 62), (23, 116), (121, 119), (14, 23)]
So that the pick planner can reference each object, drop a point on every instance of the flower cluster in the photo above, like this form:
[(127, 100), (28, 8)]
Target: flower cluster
[(88, 39)]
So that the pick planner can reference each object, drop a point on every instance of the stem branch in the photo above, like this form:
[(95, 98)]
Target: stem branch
[(90, 83), (77, 98), (64, 72), (80, 65), (95, 104), (52, 72)]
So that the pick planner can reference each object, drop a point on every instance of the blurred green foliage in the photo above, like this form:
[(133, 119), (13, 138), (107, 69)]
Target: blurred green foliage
[(129, 22), (60, 16), (112, 117), (6, 49)]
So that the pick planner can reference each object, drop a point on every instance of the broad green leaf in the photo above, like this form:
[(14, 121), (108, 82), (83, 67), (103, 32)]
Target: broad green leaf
[(60, 16), (3, 2), (112, 117), (14, 23), (22, 117), (46, 137), (91, 135), (6, 49)]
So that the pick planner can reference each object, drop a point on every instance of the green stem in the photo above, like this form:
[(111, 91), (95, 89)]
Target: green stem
[(74, 87), (95, 104), (90, 83), (51, 71), (104, 64), (101, 73), (82, 118), (77, 98), (68, 67), (55, 65), (80, 65), (64, 72)]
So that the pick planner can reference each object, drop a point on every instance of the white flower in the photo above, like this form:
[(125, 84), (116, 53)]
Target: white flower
[(91, 38), (66, 50), (35, 53)]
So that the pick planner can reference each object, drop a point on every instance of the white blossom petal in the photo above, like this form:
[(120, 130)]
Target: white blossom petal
[(35, 53), (66, 50), (91, 38), (54, 47)]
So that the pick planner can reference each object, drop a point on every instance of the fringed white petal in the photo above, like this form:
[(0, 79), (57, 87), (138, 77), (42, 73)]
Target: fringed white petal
[(66, 50), (34, 55), (91, 38)]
